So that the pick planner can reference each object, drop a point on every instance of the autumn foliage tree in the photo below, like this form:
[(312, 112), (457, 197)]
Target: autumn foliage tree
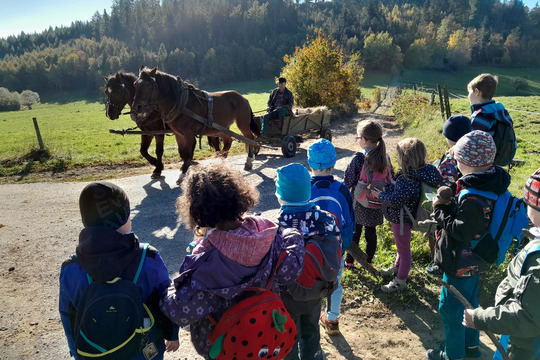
[(318, 75)]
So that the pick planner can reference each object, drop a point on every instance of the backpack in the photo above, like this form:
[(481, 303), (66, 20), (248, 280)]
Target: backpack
[(504, 138), (330, 249), (423, 212), (508, 219), (256, 327), (367, 181), (112, 320), (326, 195)]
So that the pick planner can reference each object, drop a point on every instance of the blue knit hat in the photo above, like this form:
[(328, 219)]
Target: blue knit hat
[(321, 155), (293, 184), (475, 149), (455, 127)]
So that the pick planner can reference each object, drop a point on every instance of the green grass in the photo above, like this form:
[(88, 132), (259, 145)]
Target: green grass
[(76, 133), (373, 79), (457, 81)]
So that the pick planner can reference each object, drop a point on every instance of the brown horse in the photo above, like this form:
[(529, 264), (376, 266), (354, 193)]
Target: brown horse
[(120, 91), (175, 99)]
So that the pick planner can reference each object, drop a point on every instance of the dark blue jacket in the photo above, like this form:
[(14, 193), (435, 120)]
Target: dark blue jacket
[(104, 255), (406, 192)]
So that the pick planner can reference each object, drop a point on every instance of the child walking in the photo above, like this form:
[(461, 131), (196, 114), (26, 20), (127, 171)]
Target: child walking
[(333, 196), (318, 279), (372, 158), (109, 250), (238, 252), (411, 156)]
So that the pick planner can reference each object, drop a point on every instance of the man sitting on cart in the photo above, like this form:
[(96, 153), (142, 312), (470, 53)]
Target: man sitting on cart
[(279, 105)]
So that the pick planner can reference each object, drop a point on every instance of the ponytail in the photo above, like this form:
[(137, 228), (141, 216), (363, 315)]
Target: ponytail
[(376, 159)]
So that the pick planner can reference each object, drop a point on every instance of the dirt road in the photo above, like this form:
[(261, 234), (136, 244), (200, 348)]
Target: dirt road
[(39, 226)]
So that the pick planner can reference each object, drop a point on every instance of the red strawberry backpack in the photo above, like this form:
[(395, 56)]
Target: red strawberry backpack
[(257, 327)]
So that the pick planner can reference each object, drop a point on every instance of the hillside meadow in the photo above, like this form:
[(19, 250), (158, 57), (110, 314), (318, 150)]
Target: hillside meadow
[(76, 132)]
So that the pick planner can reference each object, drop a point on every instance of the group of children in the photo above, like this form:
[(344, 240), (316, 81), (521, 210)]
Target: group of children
[(301, 255)]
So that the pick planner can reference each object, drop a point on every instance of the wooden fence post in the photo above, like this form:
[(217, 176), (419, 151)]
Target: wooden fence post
[(40, 140), (441, 101), (447, 102)]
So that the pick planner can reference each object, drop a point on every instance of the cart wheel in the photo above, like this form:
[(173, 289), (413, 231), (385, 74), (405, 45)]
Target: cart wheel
[(288, 146), (326, 134)]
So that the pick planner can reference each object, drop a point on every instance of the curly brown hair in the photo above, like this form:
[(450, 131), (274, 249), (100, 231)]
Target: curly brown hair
[(212, 194)]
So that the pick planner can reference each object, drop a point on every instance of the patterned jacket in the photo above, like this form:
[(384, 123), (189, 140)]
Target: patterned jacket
[(213, 280), (287, 102), (406, 192)]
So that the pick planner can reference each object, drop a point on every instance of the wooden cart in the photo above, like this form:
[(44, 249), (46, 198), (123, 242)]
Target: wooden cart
[(294, 127)]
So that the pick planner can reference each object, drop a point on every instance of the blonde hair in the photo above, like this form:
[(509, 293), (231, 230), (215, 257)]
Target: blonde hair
[(412, 152), (372, 131), (486, 83)]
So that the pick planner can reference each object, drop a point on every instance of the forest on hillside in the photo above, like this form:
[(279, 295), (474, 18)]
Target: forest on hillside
[(216, 41)]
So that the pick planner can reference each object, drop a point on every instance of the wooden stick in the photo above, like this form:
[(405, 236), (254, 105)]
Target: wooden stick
[(361, 257), (468, 305)]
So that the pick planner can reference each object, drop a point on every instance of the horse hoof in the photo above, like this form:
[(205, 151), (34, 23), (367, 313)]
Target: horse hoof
[(248, 165), (180, 178), (156, 175)]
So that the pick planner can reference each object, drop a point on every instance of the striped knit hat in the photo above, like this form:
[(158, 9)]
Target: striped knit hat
[(531, 191)]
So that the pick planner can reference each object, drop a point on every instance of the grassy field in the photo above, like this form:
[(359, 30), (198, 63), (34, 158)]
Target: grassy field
[(457, 81)]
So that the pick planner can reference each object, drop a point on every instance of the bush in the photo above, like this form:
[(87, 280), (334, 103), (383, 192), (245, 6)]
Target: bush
[(318, 75), (377, 95), (409, 108), (9, 101), (519, 83)]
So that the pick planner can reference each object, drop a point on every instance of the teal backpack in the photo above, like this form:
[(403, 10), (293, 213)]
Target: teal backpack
[(508, 219)]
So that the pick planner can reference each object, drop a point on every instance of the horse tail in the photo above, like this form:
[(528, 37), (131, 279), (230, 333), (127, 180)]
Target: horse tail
[(255, 125)]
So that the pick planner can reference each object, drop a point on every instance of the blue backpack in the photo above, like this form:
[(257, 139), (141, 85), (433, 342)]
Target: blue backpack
[(508, 219), (326, 195), (112, 321)]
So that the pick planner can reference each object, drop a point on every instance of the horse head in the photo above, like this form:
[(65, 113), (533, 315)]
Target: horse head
[(119, 92), (146, 92)]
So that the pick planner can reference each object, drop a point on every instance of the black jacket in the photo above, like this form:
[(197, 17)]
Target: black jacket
[(287, 103), (469, 219)]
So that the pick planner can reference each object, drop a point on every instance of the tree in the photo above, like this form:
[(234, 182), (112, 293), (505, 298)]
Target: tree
[(317, 74), (9, 101), (29, 98), (380, 52), (459, 49)]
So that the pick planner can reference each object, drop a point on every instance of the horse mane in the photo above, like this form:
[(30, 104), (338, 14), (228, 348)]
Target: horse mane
[(171, 88)]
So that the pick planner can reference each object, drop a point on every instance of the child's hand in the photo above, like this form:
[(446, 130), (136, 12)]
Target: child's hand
[(172, 345), (468, 318), (375, 193)]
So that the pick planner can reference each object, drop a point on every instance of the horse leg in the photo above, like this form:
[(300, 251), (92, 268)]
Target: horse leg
[(243, 121), (249, 160), (146, 140), (227, 142), (213, 142), (186, 148), (159, 154)]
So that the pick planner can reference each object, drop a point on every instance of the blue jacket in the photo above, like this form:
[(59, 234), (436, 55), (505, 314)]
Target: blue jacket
[(344, 201), (105, 254), (406, 191)]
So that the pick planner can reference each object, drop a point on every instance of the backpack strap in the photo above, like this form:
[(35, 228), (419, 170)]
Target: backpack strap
[(532, 250), (487, 194), (282, 256), (139, 268)]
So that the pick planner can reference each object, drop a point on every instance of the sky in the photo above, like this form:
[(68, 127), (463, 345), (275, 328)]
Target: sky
[(37, 15)]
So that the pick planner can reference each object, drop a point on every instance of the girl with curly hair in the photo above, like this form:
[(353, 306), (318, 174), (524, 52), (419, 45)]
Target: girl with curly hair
[(237, 251)]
